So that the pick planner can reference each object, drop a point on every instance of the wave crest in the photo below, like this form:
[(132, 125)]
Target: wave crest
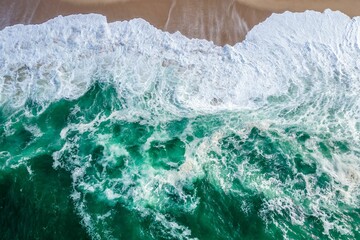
[(292, 56)]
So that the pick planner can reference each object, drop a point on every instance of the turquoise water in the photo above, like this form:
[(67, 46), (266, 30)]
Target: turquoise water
[(138, 134)]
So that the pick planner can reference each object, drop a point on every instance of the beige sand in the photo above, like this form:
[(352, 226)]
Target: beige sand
[(222, 21), (350, 7)]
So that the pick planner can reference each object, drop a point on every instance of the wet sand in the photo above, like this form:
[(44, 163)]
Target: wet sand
[(221, 21), (350, 7)]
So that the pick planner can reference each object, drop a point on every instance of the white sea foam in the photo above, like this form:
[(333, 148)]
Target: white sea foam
[(279, 65), (61, 58)]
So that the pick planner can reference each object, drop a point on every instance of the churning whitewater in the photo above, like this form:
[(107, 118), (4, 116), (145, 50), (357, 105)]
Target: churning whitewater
[(122, 131)]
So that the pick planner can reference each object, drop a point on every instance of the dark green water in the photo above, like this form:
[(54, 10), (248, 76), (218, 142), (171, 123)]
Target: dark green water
[(207, 177)]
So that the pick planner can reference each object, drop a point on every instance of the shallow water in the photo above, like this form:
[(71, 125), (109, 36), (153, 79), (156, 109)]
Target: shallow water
[(121, 131)]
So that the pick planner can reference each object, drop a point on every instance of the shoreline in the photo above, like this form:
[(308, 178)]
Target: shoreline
[(349, 7), (223, 22)]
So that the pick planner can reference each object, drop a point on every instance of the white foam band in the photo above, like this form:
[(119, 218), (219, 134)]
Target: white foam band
[(297, 55)]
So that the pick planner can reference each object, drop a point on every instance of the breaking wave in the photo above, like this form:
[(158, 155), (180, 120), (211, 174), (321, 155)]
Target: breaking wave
[(165, 137)]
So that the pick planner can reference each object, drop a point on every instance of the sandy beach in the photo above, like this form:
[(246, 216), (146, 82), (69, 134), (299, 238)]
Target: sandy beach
[(350, 7), (223, 22)]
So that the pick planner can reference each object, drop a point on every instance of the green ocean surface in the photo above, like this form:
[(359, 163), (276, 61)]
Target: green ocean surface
[(121, 131), (208, 177)]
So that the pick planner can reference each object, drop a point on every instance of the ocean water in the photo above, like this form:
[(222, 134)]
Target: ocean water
[(122, 131)]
